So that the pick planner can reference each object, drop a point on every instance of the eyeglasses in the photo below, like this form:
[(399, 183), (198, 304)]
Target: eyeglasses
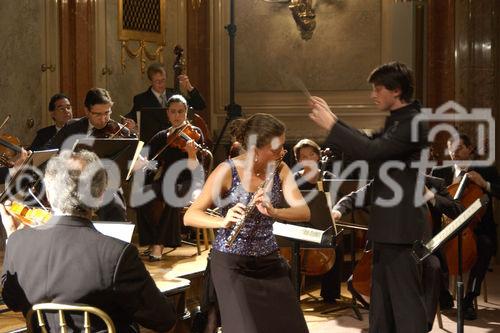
[(101, 114)]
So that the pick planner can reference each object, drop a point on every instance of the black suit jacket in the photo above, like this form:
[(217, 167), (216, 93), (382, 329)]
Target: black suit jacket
[(487, 224), (69, 261), (404, 222), (156, 122), (72, 127), (78, 126), (42, 137)]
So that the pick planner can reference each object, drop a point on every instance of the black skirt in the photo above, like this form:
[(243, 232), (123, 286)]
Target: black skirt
[(255, 294)]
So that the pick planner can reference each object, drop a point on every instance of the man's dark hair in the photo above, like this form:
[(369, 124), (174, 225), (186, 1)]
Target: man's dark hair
[(54, 99), (97, 96), (465, 139), (392, 76), (154, 69)]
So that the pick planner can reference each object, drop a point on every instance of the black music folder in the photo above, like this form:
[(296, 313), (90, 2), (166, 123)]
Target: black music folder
[(123, 152), (150, 121)]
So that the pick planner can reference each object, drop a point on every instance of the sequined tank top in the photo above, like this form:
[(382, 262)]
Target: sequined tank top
[(256, 237)]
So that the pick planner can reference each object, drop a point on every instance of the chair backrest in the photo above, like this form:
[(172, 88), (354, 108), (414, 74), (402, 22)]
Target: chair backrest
[(207, 160), (86, 310)]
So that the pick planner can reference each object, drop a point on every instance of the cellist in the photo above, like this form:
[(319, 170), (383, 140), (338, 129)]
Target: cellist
[(308, 153), (462, 149)]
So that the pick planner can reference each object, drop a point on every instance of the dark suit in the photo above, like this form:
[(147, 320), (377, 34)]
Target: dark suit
[(69, 261), (486, 237), (396, 279), (115, 210), (157, 121), (42, 137)]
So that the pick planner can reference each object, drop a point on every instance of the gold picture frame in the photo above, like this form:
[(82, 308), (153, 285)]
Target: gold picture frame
[(142, 20)]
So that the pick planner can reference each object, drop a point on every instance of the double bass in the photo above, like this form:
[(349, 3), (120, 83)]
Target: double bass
[(195, 119)]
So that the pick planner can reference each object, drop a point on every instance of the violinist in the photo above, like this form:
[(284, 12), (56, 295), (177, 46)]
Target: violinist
[(98, 123), (308, 153), (97, 120), (158, 220), (60, 112), (158, 94), (462, 149), (68, 261)]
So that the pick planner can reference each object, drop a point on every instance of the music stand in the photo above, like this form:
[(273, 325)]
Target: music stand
[(321, 220), (121, 151), (151, 120)]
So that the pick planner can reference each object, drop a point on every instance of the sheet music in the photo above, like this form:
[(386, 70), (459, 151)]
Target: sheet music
[(120, 230), (453, 226), (134, 160), (297, 232)]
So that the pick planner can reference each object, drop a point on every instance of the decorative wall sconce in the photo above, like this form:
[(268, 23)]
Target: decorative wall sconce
[(303, 14), (304, 17)]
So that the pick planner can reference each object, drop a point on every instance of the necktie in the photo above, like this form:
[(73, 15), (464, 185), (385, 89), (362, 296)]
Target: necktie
[(163, 100)]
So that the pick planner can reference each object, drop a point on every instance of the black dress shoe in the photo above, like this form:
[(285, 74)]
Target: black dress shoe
[(470, 313), (468, 307), (446, 301)]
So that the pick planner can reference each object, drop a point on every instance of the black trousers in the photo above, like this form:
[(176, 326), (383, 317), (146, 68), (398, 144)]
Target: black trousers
[(432, 278), (397, 298), (485, 250), (330, 281)]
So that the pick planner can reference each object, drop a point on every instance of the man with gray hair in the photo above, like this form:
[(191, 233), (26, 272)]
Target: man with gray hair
[(67, 260)]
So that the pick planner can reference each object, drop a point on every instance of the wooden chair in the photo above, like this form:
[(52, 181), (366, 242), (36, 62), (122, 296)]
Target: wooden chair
[(86, 310)]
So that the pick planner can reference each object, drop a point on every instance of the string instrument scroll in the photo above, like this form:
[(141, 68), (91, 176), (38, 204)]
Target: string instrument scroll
[(179, 69)]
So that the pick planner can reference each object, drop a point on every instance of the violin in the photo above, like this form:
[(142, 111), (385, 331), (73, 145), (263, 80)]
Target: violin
[(29, 216), (179, 139), (112, 130), (10, 149)]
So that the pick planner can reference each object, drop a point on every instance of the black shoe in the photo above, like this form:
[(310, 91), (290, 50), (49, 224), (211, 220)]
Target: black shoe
[(468, 307), (446, 301), (470, 313)]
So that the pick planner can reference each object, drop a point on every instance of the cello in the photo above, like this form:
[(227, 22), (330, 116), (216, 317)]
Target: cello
[(315, 261), (466, 192)]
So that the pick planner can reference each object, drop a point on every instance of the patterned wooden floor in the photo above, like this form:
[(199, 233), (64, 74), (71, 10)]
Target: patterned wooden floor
[(184, 262)]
